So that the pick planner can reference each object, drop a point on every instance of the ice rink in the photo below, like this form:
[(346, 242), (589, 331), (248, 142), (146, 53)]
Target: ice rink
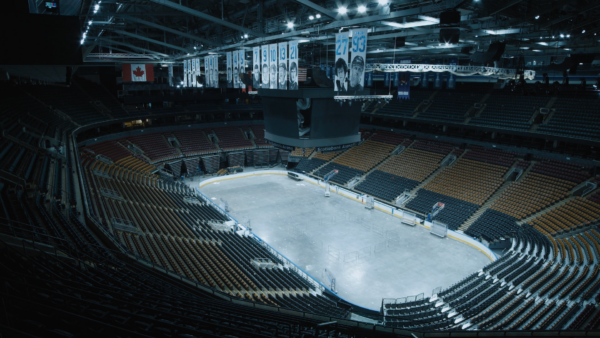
[(370, 253)]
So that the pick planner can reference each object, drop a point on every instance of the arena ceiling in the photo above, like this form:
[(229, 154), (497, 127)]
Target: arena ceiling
[(164, 31)]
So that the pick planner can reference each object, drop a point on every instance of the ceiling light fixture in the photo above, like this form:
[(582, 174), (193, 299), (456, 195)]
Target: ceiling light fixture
[(290, 25), (311, 17), (318, 16), (362, 9), (342, 10), (568, 35), (537, 17), (382, 2), (583, 31), (246, 36)]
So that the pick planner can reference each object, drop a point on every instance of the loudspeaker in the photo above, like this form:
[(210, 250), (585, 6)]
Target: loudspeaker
[(399, 42), (449, 35), (450, 17), (246, 79), (321, 78), (493, 53)]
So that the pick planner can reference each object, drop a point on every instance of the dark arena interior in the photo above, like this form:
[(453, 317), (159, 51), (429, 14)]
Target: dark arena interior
[(300, 168)]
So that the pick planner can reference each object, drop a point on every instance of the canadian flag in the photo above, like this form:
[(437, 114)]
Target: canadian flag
[(138, 72)]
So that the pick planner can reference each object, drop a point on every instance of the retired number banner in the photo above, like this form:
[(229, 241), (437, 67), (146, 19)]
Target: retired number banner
[(293, 65), (340, 82), (184, 84), (236, 77), (229, 71), (282, 66), (193, 73), (241, 67), (273, 66), (264, 66), (359, 57), (255, 68)]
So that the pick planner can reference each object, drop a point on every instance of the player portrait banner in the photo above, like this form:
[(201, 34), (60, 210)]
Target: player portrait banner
[(206, 71), (340, 74), (255, 68), (241, 67), (282, 66), (293, 85), (171, 75), (189, 71), (216, 71), (229, 71), (193, 73), (236, 77), (184, 80), (273, 66), (358, 61), (264, 66), (197, 75), (212, 72)]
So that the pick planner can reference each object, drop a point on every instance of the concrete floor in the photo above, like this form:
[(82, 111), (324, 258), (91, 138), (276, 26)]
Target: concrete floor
[(370, 253)]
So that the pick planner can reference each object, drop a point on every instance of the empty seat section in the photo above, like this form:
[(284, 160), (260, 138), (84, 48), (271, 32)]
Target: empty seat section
[(231, 138), (575, 115), (194, 142), (504, 109)]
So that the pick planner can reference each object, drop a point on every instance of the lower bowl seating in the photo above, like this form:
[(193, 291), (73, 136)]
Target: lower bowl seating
[(344, 175), (454, 213), (385, 185), (492, 225)]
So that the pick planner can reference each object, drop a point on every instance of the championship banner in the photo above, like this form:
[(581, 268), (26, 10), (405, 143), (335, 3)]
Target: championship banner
[(340, 83), (171, 75), (273, 66), (255, 68), (293, 65), (424, 78), (404, 82), (197, 76), (189, 71), (359, 57), (282, 66), (241, 67), (193, 73), (236, 76), (264, 65), (451, 83), (229, 71), (369, 79), (184, 84)]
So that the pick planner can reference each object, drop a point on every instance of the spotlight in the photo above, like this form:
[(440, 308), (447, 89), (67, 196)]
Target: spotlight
[(537, 17), (382, 2), (342, 10), (311, 17), (582, 32), (562, 35), (362, 9), (290, 25), (318, 16), (194, 47), (246, 36), (568, 35)]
